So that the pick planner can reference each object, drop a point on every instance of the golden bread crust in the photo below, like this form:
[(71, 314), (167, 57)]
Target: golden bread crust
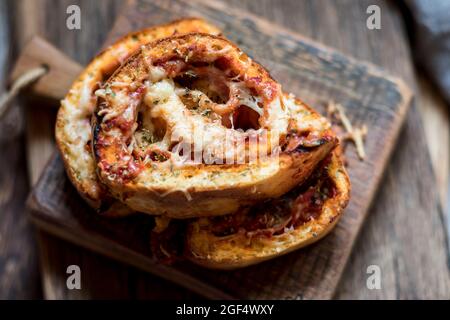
[(238, 250)]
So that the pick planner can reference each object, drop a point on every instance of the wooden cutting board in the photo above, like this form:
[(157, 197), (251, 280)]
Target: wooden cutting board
[(313, 72)]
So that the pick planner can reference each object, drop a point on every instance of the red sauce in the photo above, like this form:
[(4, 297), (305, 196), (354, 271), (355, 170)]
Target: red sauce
[(168, 245)]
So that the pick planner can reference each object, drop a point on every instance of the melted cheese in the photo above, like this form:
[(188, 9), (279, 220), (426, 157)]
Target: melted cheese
[(191, 128), (245, 97)]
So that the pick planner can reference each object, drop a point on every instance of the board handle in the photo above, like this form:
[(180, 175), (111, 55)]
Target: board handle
[(61, 70)]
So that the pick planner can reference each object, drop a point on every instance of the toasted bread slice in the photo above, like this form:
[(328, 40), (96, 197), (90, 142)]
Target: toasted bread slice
[(202, 93), (73, 127), (297, 219)]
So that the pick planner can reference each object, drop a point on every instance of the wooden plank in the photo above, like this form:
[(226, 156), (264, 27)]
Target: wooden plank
[(19, 277), (317, 74), (436, 119), (101, 278), (341, 25)]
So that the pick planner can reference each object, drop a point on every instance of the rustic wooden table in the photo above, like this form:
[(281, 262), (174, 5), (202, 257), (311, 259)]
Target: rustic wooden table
[(405, 233)]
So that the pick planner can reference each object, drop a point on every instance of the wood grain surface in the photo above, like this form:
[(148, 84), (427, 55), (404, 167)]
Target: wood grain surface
[(323, 75), (342, 25)]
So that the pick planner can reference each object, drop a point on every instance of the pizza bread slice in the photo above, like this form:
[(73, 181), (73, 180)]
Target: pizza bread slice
[(73, 124), (275, 227), (191, 126)]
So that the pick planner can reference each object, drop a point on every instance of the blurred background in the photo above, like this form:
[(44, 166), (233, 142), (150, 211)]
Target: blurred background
[(413, 43)]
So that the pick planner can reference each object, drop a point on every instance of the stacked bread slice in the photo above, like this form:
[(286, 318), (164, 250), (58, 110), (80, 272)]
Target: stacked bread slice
[(177, 122)]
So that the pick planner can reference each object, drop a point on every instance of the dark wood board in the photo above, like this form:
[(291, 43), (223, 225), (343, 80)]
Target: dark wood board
[(315, 73)]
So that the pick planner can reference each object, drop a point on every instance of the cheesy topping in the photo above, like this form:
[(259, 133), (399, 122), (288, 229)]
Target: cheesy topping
[(195, 105)]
